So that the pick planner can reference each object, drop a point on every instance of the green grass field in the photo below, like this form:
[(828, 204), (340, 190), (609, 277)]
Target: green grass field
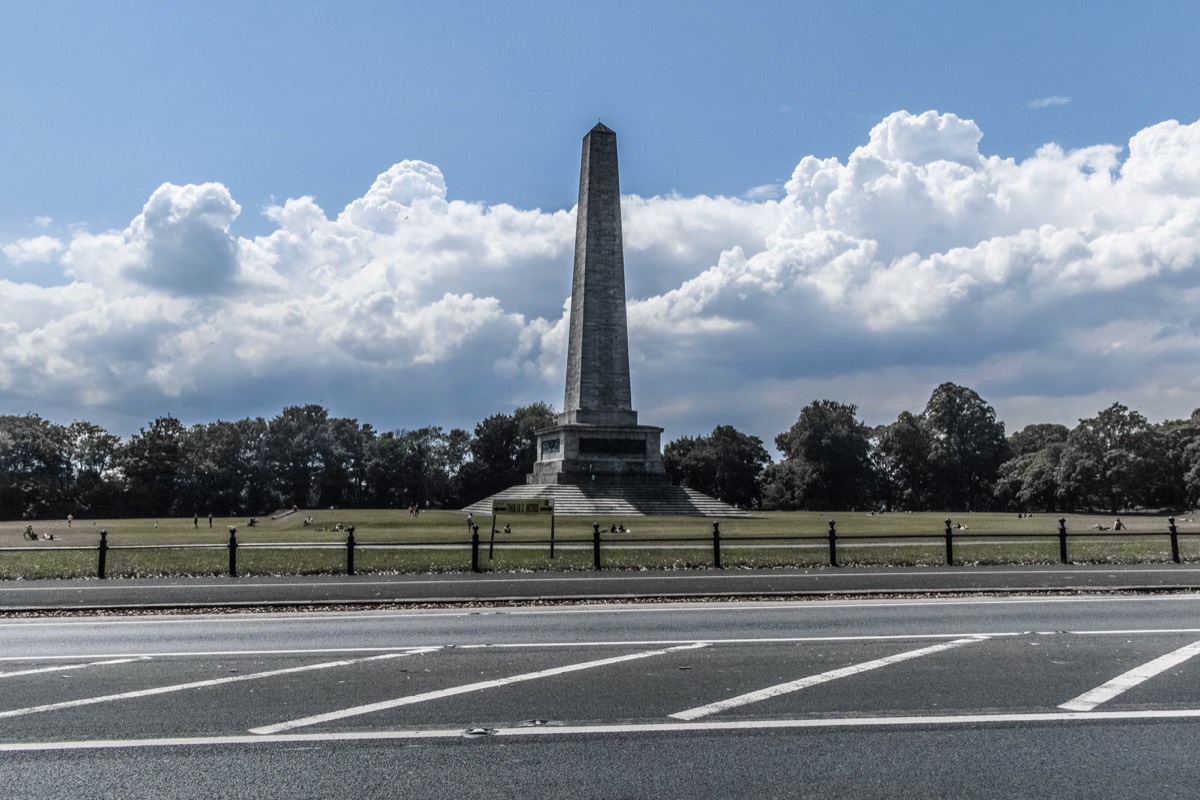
[(680, 543)]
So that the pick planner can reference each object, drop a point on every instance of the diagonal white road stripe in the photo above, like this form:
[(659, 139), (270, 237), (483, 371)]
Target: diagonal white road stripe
[(1126, 681), (813, 680), (470, 687), (179, 687), (948, 720), (65, 667)]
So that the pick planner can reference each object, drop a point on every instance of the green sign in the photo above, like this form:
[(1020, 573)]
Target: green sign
[(537, 506)]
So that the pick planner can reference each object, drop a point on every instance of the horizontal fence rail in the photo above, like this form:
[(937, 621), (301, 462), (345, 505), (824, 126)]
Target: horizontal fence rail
[(950, 535)]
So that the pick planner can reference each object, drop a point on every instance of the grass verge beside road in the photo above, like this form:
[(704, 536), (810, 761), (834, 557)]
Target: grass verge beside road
[(168, 546)]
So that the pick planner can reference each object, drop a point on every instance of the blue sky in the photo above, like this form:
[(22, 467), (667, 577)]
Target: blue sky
[(191, 221)]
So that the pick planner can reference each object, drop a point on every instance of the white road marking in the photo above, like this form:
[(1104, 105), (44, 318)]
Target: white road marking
[(179, 687), (470, 687), (600, 643), (1123, 683), (314, 651), (813, 680), (615, 607), (65, 667), (628, 728)]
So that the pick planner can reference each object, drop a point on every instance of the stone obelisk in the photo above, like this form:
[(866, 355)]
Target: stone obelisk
[(597, 440)]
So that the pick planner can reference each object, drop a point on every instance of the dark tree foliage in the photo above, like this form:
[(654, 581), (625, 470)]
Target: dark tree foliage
[(35, 468), (901, 460), (503, 450), (952, 456), (1113, 460), (966, 448), (826, 461), (727, 464)]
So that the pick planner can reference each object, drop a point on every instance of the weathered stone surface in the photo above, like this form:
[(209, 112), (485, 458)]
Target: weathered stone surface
[(598, 344), (598, 459)]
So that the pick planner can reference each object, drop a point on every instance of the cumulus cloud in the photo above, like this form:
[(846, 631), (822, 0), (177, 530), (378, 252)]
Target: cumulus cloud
[(37, 249), (1054, 286)]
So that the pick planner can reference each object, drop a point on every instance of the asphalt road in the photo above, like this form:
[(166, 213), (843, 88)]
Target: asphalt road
[(602, 585), (1093, 696)]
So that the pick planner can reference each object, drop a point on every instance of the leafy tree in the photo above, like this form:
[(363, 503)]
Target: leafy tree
[(150, 462), (92, 453), (1111, 461), (344, 445), (530, 419), (901, 460), (1030, 480), (296, 447), (727, 464), (223, 469), (826, 461), (416, 467), (966, 447), (1033, 438), (35, 472)]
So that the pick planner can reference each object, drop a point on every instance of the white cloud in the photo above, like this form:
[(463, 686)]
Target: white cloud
[(1047, 102), (38, 249), (916, 259)]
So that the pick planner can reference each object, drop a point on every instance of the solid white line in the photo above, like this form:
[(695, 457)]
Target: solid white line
[(813, 680), (1124, 682), (606, 643), (179, 687), (187, 653), (470, 687), (629, 728), (64, 667)]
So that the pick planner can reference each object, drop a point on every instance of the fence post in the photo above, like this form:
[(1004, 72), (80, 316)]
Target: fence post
[(596, 545), (949, 544), (103, 552), (1062, 540), (832, 544), (475, 548), (717, 545), (350, 550), (232, 552), (1174, 540)]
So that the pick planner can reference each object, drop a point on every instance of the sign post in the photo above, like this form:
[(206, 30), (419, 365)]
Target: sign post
[(528, 507)]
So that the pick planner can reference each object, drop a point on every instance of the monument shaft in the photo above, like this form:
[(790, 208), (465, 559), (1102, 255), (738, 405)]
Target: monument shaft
[(597, 440), (598, 346)]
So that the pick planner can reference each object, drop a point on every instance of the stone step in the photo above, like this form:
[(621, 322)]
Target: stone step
[(652, 501)]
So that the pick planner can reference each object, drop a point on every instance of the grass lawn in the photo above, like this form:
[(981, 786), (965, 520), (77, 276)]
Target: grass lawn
[(678, 542)]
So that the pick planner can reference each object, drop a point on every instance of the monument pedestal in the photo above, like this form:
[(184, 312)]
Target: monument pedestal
[(600, 455)]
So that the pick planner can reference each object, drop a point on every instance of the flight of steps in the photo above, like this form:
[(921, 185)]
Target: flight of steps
[(615, 502)]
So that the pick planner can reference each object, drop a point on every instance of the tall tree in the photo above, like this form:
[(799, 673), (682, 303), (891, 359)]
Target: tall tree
[(901, 458), (727, 464), (1112, 460), (966, 447), (297, 444), (826, 461), (150, 463), (92, 452), (34, 469)]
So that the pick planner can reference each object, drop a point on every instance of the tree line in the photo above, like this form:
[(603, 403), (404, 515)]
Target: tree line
[(954, 455), (301, 457)]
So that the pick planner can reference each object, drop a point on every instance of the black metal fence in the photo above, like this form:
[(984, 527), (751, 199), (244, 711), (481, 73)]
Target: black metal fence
[(951, 535)]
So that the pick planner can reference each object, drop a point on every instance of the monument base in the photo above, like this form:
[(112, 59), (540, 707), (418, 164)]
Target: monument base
[(599, 455)]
